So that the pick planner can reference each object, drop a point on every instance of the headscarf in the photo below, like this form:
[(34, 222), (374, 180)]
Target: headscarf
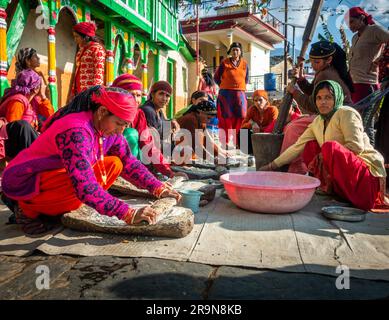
[(23, 55), (338, 98), (127, 82), (160, 85), (325, 49), (91, 98), (198, 94), (26, 81), (207, 107), (86, 28), (235, 45), (261, 93), (121, 103), (322, 49), (356, 12)]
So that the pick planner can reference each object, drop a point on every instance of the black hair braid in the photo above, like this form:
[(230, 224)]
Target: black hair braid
[(89, 38), (208, 78), (339, 62), (23, 55), (81, 102)]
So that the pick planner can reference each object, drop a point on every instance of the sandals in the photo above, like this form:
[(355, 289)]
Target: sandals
[(32, 226), (29, 226)]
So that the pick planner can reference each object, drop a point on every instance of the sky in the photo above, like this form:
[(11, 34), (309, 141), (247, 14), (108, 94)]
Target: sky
[(333, 13)]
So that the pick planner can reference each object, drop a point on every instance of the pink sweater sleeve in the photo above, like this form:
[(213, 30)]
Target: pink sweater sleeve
[(133, 170), (76, 148)]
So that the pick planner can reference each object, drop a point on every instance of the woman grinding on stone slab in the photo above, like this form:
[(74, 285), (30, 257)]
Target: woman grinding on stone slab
[(76, 159)]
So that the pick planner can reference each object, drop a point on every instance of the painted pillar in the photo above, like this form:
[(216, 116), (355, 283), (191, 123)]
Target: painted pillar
[(130, 66), (230, 37), (3, 48), (217, 56), (52, 67), (144, 77), (156, 71), (130, 54), (110, 59)]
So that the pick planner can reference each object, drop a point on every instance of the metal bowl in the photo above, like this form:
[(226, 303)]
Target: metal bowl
[(344, 213)]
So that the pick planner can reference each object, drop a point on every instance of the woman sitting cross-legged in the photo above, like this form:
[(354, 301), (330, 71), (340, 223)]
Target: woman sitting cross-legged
[(338, 152), (76, 159)]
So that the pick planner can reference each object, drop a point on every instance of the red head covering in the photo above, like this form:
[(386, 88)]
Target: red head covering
[(127, 82), (86, 28), (356, 12), (120, 103), (160, 85), (261, 93)]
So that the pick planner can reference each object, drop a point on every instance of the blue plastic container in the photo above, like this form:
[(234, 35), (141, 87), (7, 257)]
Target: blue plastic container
[(191, 199), (270, 81)]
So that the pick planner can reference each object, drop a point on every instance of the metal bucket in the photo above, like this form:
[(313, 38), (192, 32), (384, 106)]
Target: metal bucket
[(266, 147)]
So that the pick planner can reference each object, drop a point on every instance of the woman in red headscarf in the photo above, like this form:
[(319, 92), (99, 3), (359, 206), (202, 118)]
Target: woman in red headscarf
[(365, 52), (90, 58), (78, 156), (139, 137)]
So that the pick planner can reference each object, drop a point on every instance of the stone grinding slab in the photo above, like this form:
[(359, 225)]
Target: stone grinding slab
[(172, 221), (208, 187), (200, 173)]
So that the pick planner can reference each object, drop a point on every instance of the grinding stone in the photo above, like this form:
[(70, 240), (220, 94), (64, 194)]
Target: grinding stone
[(172, 221)]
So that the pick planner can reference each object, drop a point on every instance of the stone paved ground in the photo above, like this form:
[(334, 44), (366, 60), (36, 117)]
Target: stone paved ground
[(147, 278)]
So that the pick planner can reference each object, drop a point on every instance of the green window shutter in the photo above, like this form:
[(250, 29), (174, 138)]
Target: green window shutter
[(141, 8)]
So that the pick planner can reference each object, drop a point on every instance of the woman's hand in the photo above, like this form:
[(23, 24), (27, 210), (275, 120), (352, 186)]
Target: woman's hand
[(181, 174), (268, 167), (170, 192), (42, 91), (298, 70), (145, 214), (291, 88), (256, 128), (175, 126)]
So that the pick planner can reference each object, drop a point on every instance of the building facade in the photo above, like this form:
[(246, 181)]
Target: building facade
[(141, 37), (245, 24)]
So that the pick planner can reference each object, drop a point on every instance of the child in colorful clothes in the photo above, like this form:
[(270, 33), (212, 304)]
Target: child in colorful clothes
[(232, 76), (338, 152), (139, 137), (76, 159), (19, 115)]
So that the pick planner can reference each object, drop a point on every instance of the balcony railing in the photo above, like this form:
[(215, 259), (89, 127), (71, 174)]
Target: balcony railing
[(269, 18)]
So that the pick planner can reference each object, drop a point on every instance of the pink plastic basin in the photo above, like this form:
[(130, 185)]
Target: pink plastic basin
[(269, 192)]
